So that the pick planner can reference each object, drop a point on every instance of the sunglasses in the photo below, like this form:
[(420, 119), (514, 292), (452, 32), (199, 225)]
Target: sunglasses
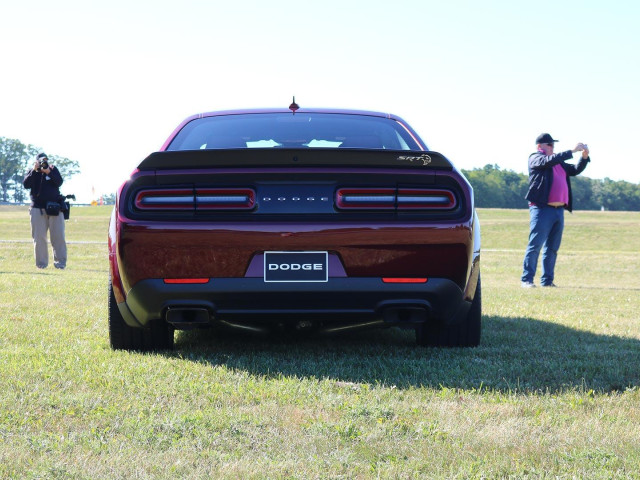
[(550, 144)]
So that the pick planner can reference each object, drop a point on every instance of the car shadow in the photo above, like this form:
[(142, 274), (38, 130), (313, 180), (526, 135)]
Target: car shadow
[(516, 355)]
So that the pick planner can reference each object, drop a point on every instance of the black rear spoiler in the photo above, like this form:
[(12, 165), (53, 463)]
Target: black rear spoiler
[(286, 157)]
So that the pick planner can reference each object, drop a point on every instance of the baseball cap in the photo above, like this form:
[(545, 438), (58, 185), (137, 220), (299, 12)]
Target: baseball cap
[(42, 155), (545, 138)]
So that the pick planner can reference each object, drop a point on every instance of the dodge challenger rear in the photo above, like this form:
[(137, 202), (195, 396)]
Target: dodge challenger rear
[(303, 219)]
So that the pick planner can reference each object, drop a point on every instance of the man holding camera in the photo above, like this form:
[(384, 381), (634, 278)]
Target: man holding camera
[(44, 181), (549, 196)]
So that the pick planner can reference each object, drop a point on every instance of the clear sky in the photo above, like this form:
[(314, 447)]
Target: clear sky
[(105, 82)]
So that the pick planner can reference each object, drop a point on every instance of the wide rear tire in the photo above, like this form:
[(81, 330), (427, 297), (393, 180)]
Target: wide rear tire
[(158, 336), (464, 333)]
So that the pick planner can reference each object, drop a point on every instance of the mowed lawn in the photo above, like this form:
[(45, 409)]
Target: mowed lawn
[(552, 392)]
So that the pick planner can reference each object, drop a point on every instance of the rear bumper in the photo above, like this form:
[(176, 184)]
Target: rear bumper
[(340, 300)]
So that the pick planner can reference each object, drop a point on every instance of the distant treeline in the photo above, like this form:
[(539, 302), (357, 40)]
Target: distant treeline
[(496, 188)]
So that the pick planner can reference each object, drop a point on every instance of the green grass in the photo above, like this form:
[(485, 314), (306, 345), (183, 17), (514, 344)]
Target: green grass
[(552, 392)]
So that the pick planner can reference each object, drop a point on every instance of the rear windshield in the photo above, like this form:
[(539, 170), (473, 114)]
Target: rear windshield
[(302, 130)]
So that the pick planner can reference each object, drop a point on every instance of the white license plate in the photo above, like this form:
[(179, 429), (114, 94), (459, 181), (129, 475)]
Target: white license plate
[(296, 267)]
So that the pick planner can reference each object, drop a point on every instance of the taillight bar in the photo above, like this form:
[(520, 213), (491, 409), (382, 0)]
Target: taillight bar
[(395, 199), (198, 199), (225, 198), (165, 199), (357, 198), (418, 198)]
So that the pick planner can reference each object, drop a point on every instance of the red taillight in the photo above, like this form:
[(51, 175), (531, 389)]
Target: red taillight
[(404, 280), (186, 280), (395, 199), (194, 200)]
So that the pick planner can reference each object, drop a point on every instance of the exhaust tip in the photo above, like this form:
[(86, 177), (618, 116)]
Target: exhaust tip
[(188, 317), (405, 312)]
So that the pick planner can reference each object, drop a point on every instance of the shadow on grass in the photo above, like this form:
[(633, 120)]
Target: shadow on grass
[(515, 355)]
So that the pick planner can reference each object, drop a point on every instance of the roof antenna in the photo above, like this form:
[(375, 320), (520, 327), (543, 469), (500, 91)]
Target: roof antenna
[(294, 106)]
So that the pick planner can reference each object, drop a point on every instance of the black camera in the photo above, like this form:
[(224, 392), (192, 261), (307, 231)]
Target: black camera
[(44, 164)]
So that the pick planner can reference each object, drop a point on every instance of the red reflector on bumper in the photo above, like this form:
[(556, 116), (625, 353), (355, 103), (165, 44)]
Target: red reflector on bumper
[(186, 280), (404, 280)]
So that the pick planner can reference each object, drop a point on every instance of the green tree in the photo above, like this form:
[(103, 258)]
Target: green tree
[(13, 155), (496, 188), (617, 195), (582, 190), (109, 199)]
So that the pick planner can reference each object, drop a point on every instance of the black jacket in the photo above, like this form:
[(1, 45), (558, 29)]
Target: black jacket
[(44, 188), (541, 175)]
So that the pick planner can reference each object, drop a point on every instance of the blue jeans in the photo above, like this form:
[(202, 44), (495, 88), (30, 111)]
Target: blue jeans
[(545, 231)]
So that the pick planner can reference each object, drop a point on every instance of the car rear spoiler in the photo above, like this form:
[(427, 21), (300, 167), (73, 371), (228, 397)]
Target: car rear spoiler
[(286, 157)]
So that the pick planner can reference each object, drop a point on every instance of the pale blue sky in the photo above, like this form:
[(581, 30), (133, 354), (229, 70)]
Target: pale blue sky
[(106, 82)]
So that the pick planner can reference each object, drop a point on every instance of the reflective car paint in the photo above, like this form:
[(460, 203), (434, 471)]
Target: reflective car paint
[(216, 252)]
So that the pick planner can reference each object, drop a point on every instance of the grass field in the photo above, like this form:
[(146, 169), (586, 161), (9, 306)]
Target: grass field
[(552, 392)]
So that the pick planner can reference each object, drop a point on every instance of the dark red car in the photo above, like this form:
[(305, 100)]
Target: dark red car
[(314, 220)]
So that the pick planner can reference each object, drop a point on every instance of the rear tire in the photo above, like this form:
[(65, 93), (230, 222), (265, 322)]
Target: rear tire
[(465, 333), (158, 336)]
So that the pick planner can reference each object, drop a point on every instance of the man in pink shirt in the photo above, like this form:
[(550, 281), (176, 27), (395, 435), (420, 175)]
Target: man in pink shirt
[(549, 196)]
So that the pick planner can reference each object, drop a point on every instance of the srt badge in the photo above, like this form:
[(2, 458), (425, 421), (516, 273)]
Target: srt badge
[(425, 159)]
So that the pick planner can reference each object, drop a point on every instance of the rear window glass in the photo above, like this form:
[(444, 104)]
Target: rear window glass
[(302, 130)]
